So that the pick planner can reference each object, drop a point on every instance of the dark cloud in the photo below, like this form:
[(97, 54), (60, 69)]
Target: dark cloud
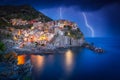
[(113, 18), (88, 5)]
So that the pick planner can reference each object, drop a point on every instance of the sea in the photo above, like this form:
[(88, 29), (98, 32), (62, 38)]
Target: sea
[(79, 63)]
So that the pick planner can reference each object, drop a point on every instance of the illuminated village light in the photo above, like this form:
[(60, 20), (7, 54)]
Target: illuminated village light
[(32, 28), (68, 33), (19, 32), (41, 33), (15, 38), (21, 59)]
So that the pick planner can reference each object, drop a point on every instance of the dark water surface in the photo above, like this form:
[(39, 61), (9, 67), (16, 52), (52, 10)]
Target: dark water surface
[(80, 64)]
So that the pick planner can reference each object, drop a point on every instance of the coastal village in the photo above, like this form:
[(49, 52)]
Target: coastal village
[(47, 35)]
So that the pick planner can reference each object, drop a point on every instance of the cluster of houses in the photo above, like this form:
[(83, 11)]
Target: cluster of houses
[(18, 22), (21, 22), (45, 34)]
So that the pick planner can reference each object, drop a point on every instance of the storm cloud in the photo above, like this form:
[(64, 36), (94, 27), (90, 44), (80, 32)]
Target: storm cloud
[(84, 5)]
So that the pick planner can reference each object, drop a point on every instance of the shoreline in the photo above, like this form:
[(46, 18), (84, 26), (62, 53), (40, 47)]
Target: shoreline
[(41, 51)]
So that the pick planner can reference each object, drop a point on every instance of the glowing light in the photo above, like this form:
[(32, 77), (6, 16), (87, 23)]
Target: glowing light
[(60, 13), (21, 59), (19, 32), (32, 28), (87, 25), (15, 38), (69, 34), (43, 37)]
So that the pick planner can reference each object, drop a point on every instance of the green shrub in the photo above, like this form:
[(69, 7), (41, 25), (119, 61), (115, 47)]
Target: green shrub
[(2, 46)]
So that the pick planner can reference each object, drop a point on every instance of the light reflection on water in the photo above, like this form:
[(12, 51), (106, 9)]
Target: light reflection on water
[(37, 61), (69, 60)]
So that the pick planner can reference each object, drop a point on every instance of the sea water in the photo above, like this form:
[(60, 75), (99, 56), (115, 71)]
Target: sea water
[(80, 63)]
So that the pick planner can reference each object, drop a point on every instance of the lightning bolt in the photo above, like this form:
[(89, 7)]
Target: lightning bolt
[(60, 10), (87, 25)]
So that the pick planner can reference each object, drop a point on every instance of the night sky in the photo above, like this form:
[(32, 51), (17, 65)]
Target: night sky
[(102, 15)]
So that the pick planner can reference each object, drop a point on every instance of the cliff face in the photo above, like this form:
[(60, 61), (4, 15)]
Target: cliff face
[(65, 41)]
